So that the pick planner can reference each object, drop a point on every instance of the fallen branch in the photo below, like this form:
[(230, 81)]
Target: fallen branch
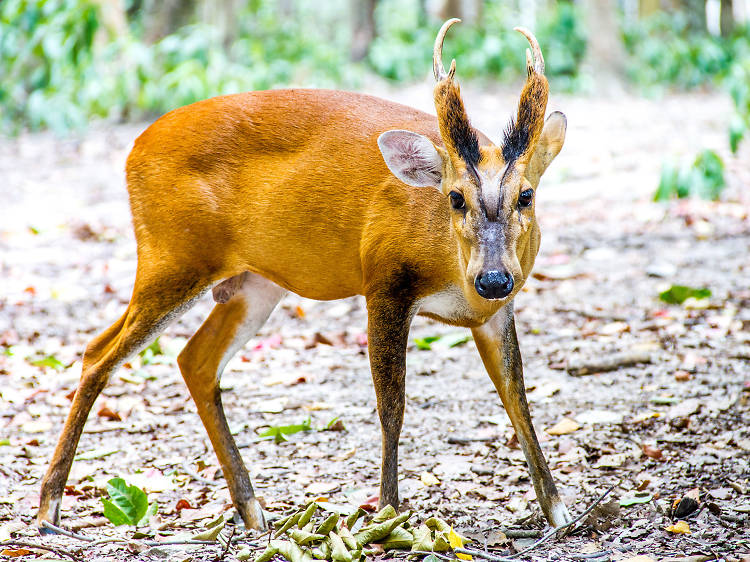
[(609, 362), (591, 555), (225, 550), (95, 542), (427, 553), (555, 530), (61, 531), (467, 440), (56, 549), (481, 554)]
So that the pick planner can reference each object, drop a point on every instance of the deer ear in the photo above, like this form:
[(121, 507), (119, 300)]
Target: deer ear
[(412, 158), (550, 143)]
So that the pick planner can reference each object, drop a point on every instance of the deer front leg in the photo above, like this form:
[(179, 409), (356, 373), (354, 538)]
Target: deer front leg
[(498, 346), (387, 333)]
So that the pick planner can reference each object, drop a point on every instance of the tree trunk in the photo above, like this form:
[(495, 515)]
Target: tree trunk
[(222, 16), (163, 17), (469, 11), (726, 18), (605, 54), (363, 28)]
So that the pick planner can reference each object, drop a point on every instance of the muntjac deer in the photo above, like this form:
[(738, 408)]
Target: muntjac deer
[(330, 194)]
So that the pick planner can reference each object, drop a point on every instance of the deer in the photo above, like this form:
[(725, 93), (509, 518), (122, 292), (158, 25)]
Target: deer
[(330, 194)]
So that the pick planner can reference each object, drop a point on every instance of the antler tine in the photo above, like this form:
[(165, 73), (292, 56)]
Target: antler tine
[(538, 59), (437, 54)]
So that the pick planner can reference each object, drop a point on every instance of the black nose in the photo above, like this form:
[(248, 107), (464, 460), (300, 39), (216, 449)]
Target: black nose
[(493, 284)]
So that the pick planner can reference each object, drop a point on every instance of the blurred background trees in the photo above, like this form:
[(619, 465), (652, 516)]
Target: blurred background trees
[(63, 62)]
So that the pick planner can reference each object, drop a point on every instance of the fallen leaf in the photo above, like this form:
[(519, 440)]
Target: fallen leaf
[(457, 541), (317, 488), (182, 504), (611, 461), (652, 452), (563, 427), (429, 479), (635, 500), (599, 416), (105, 412), (15, 553), (679, 528)]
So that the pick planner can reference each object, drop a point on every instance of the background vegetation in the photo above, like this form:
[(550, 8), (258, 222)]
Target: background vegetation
[(63, 62)]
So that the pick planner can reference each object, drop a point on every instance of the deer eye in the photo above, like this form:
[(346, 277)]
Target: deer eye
[(525, 198), (457, 200)]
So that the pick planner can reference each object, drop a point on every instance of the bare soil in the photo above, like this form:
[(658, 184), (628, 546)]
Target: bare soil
[(674, 423)]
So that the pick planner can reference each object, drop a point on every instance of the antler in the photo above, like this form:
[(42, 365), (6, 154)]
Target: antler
[(457, 133), (535, 64), (523, 132), (437, 53)]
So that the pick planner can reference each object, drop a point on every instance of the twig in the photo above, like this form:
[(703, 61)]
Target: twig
[(225, 550), (591, 556), (485, 555), (61, 531), (95, 542), (521, 533), (555, 530), (467, 440), (610, 362), (427, 552), (56, 549), (195, 476)]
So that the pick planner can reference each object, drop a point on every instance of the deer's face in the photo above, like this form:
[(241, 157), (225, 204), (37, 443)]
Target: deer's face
[(490, 190)]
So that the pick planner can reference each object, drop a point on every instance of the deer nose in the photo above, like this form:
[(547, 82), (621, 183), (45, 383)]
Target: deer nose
[(493, 284)]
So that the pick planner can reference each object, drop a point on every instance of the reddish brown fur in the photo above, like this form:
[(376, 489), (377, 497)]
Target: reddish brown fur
[(289, 185)]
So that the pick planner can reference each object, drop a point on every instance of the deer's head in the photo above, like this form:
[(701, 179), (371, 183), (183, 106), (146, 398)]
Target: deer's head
[(489, 189)]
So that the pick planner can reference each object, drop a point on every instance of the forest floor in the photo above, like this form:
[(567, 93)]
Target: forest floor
[(675, 424)]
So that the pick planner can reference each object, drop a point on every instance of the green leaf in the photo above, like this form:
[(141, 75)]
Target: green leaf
[(50, 361), (424, 343), (116, 516), (635, 500), (150, 512), (4, 442), (279, 432), (453, 339), (130, 501), (677, 294), (149, 354)]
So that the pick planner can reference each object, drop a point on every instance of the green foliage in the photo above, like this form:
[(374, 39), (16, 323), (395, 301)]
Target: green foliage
[(739, 88), (678, 294), (704, 178), (667, 50), (45, 47), (127, 505), (279, 433), (150, 354), (60, 68), (453, 339), (403, 48), (50, 361)]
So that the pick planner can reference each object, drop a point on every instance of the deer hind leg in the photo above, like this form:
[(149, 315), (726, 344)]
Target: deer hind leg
[(229, 326), (158, 297)]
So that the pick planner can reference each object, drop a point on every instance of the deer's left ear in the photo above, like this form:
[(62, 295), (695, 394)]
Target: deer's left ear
[(412, 158), (549, 145)]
